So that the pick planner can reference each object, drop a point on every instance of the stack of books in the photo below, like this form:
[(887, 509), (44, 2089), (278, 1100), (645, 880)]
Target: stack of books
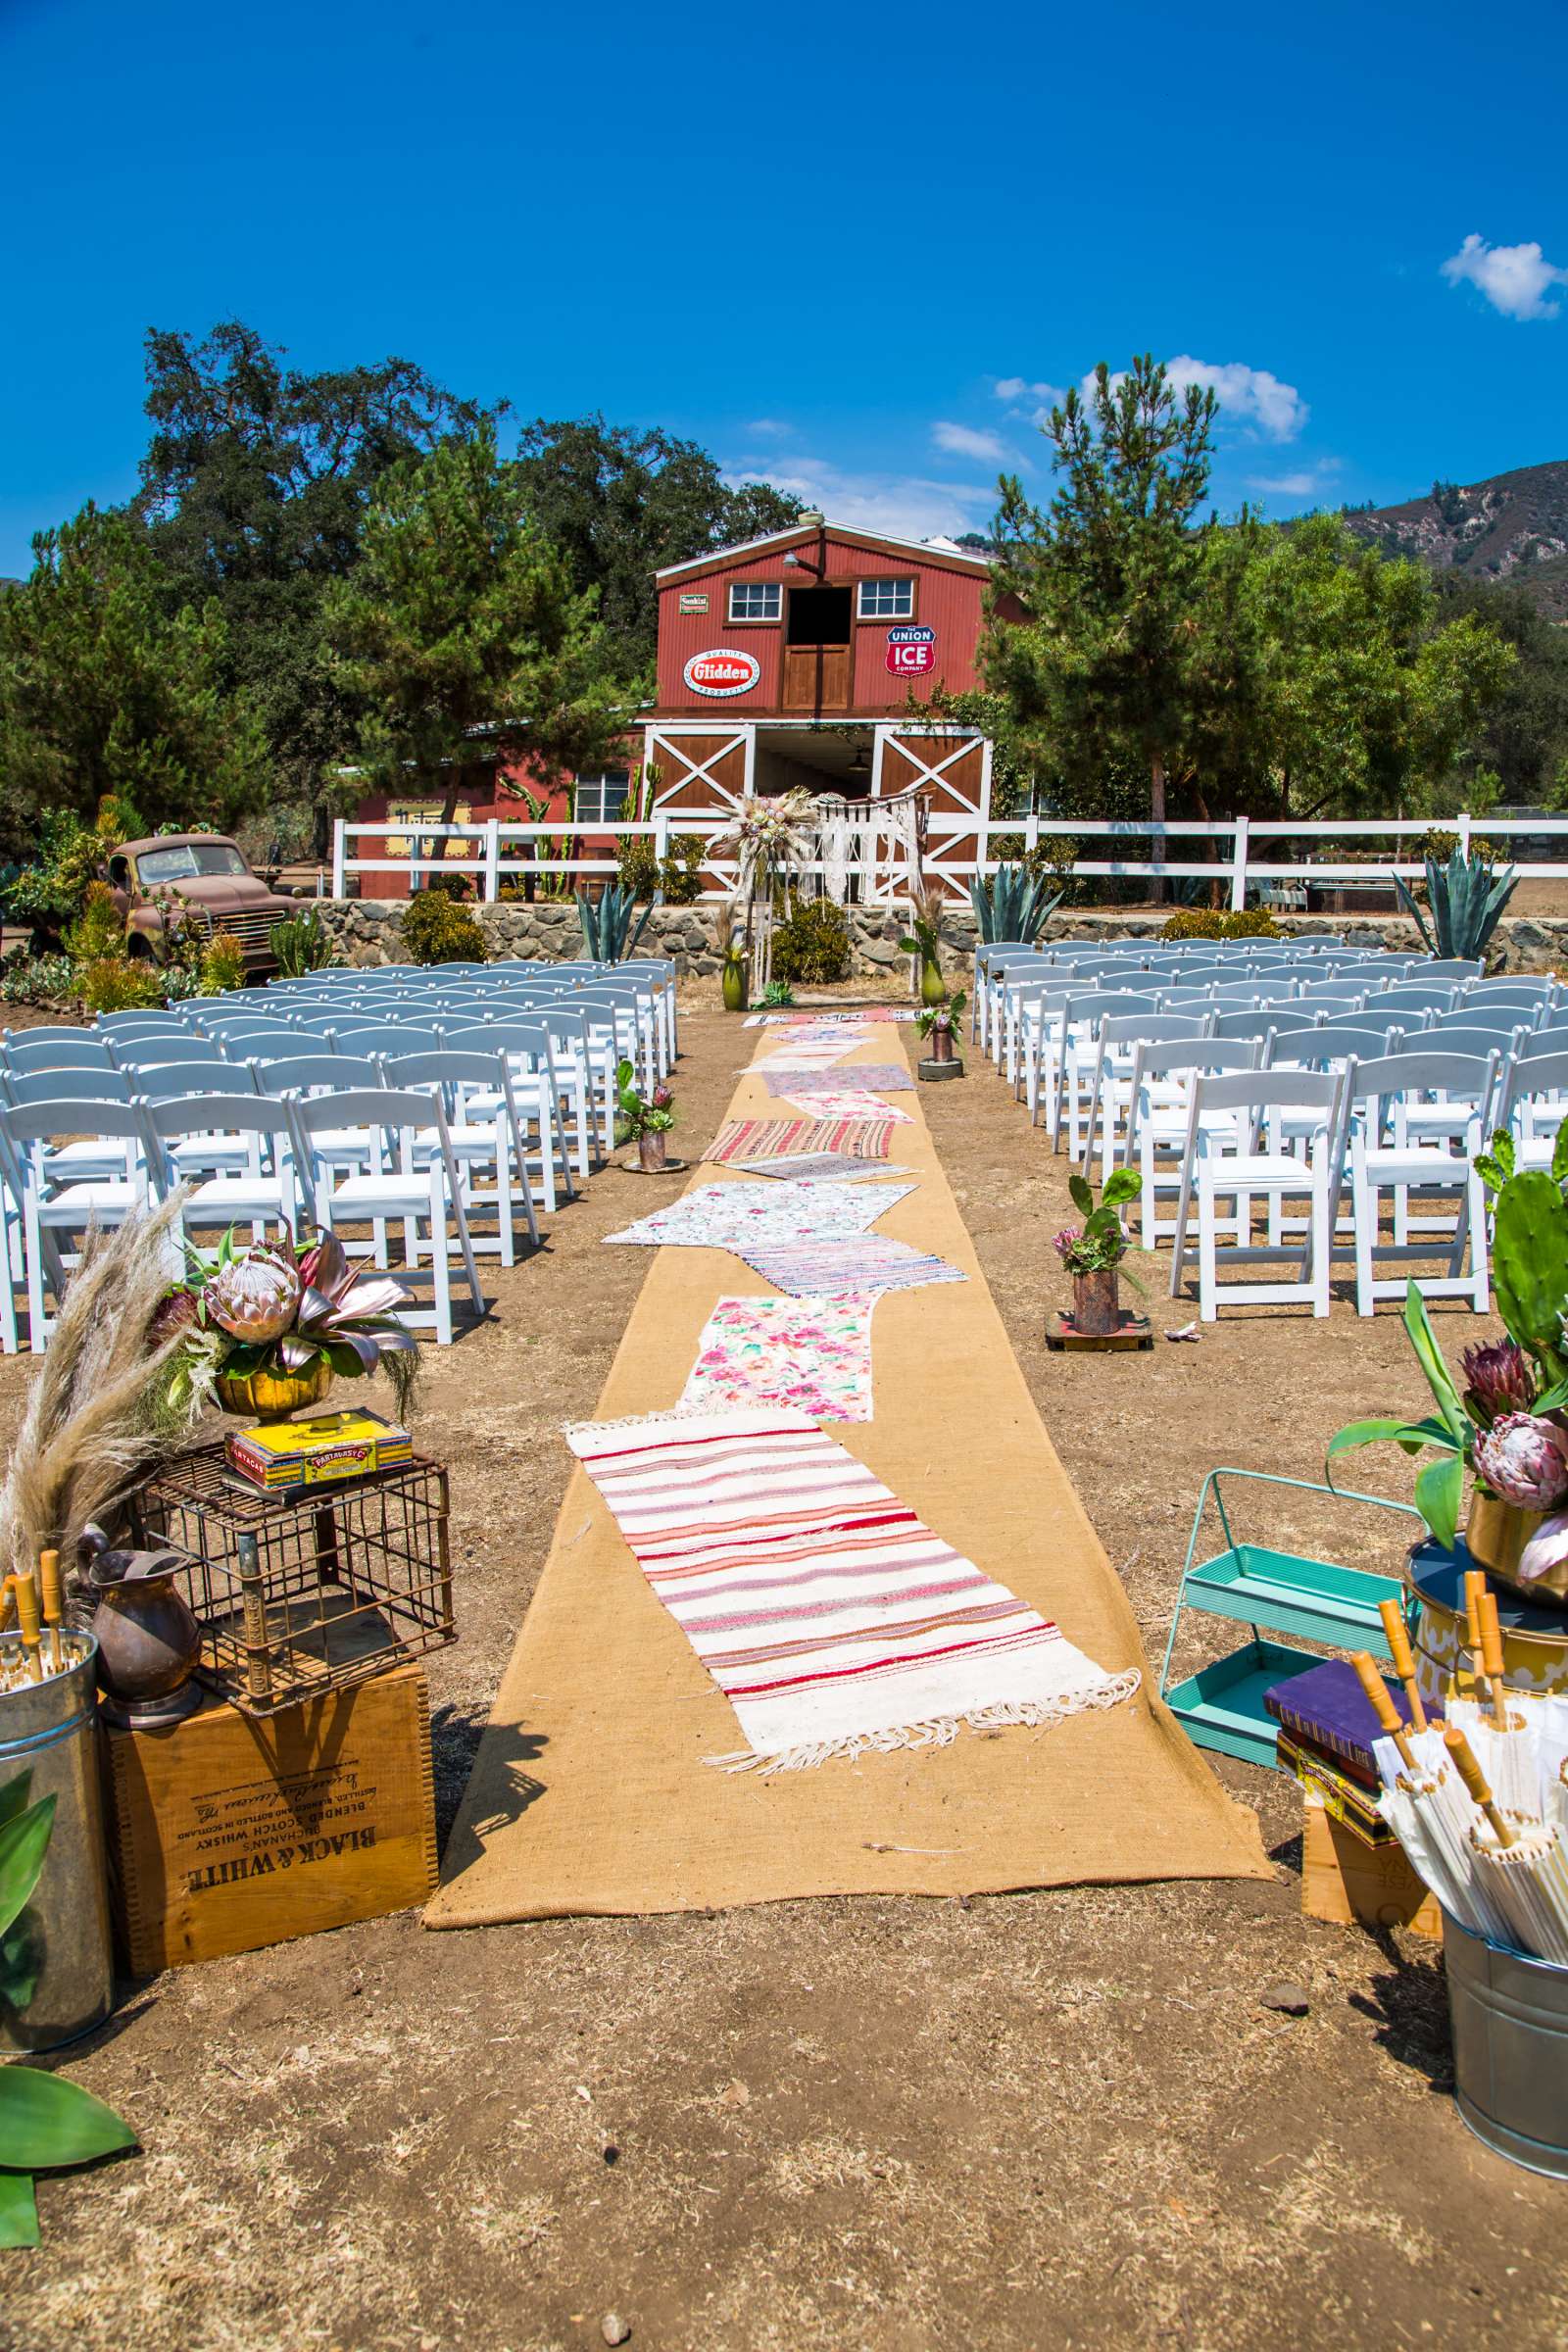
[(1327, 1728), (281, 1457)]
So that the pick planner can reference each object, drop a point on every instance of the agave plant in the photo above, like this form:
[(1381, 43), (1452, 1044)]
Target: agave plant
[(1012, 904), (604, 926), (46, 2124), (1467, 905)]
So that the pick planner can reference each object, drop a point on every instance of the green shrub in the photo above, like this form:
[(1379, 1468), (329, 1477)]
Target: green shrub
[(38, 979), (119, 984), (812, 944), (638, 867), (680, 878), (223, 966), (435, 929), (777, 992), (300, 943), (1207, 922), (100, 928)]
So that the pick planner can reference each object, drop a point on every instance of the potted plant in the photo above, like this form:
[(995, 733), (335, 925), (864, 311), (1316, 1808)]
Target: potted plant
[(1506, 1425), (730, 939), (1093, 1252), (267, 1329), (648, 1118), (937, 1023), (925, 940)]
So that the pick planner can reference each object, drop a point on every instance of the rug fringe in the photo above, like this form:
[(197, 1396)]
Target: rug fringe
[(939, 1731)]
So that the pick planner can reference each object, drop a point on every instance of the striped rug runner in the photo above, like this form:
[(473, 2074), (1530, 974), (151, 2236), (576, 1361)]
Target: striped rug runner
[(767, 1138), (832, 1619)]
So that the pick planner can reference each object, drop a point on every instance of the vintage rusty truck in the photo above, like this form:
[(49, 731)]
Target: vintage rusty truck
[(206, 876)]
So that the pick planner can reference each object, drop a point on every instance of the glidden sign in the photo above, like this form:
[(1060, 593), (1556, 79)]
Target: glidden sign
[(721, 673)]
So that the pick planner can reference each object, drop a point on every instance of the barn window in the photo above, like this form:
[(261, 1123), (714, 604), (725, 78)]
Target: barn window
[(600, 800), (756, 600), (887, 599)]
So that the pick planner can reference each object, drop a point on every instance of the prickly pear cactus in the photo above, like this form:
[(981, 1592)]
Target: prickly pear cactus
[(1530, 1265)]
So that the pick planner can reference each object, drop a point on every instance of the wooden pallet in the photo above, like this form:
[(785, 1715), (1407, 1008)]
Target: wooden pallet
[(1134, 1331)]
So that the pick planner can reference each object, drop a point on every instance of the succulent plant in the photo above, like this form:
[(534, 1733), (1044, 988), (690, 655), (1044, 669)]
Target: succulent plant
[(1012, 904), (254, 1296), (1500, 1379), (1524, 1460), (1466, 904)]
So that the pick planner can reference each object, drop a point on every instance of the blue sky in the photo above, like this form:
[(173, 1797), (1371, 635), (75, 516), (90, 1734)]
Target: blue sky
[(844, 246)]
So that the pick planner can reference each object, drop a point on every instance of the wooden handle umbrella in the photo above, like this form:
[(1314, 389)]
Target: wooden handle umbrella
[(49, 1586), (1399, 1651), (1491, 1657), (1475, 1780), (1382, 1706)]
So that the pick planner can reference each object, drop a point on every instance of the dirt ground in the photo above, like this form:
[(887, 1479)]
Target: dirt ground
[(1060, 2119)]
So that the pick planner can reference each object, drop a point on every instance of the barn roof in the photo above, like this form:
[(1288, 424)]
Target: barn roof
[(940, 551)]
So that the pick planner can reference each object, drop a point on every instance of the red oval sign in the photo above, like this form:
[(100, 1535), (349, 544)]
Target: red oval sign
[(723, 671)]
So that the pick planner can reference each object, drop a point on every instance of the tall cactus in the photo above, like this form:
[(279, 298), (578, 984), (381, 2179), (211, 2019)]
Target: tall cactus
[(1530, 1265)]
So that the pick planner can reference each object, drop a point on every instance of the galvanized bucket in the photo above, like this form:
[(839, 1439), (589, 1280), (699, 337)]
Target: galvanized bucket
[(59, 1979), (1510, 2049)]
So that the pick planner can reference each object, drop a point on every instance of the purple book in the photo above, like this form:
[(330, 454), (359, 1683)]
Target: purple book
[(1327, 1707)]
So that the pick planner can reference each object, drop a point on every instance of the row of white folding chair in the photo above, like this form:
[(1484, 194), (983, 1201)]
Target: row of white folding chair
[(1314, 1125), (409, 1172)]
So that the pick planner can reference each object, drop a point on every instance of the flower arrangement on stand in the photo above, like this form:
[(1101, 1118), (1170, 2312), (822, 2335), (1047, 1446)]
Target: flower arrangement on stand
[(646, 1119), (1506, 1425), (266, 1329), (1093, 1252), (938, 1025), (773, 840)]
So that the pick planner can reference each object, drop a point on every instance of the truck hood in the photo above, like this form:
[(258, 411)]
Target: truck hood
[(222, 894)]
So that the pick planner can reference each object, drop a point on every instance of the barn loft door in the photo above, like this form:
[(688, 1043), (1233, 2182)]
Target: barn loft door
[(818, 660)]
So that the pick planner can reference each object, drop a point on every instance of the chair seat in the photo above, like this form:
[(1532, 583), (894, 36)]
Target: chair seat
[(389, 1196), (242, 1196), (77, 1203), (1259, 1168)]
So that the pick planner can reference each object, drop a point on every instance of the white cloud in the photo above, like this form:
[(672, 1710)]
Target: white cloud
[(1514, 278), (1018, 387), (1249, 396), (1308, 481), (769, 428), (962, 441), (907, 505)]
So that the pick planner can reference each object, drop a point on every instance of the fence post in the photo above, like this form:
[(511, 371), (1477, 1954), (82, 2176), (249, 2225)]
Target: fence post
[(661, 834), (1239, 869), (339, 839), (1031, 830), (492, 859), (1463, 826)]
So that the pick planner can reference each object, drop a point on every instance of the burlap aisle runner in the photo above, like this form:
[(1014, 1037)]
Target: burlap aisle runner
[(590, 1790)]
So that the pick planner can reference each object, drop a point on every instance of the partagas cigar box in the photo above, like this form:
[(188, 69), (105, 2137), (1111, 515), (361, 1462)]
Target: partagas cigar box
[(283, 1456), (227, 1832)]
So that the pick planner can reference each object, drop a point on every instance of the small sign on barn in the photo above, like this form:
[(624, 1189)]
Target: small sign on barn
[(694, 600), (912, 651)]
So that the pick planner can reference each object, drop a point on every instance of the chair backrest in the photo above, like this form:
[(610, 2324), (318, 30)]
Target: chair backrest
[(373, 1039), (1481, 1038), (1266, 1090), (1453, 967), (179, 1083), (447, 1068), (315, 1073), (1324, 1045), (1259, 1023), (1540, 1073), (63, 1115), (1159, 1059), (1126, 1028), (501, 1037), (1501, 1021), (57, 1050), (394, 1109), (1422, 1071), (1543, 1044), (105, 1085), (189, 1114), (130, 1024), (160, 1052)]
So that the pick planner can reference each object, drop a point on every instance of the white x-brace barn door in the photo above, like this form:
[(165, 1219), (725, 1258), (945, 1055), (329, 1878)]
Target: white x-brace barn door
[(949, 816)]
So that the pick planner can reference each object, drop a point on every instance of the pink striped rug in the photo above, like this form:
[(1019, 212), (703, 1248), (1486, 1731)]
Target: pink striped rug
[(764, 1139), (830, 1617)]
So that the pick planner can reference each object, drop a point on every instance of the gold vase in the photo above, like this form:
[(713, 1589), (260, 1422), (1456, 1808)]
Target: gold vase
[(272, 1394), (1496, 1533)]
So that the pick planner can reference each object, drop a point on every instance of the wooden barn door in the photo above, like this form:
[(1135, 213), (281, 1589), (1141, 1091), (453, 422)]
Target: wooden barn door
[(955, 766), (818, 660)]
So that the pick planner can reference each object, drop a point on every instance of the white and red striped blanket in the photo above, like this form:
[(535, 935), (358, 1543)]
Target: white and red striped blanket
[(832, 1619)]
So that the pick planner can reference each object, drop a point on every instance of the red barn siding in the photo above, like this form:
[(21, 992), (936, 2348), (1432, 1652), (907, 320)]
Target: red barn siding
[(947, 598)]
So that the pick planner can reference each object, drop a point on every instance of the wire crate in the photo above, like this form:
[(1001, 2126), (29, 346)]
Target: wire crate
[(312, 1592)]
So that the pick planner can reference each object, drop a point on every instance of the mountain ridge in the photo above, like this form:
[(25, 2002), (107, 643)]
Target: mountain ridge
[(1508, 530)]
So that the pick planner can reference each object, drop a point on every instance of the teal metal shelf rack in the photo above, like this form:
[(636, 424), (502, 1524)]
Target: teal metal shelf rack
[(1269, 1591)]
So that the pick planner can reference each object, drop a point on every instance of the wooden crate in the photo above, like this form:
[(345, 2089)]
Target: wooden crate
[(1352, 1884), (227, 1832)]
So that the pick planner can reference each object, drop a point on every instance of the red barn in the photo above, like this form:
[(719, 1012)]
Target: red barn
[(800, 659)]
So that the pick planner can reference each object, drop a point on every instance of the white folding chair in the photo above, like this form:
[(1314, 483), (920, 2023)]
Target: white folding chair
[(51, 1211), (483, 1130), (1414, 1123), (401, 1185), (1230, 1116), (269, 1189)]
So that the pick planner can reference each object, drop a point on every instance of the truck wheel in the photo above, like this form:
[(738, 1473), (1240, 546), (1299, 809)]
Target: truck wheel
[(140, 949)]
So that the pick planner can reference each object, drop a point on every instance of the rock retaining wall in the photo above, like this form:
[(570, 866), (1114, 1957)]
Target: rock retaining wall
[(367, 933)]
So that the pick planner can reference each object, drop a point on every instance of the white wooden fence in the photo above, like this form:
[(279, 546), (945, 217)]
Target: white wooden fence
[(1239, 848)]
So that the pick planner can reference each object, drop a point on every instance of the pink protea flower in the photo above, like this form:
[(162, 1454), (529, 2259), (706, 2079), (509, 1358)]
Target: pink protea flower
[(1500, 1380), (1066, 1240), (1524, 1461)]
